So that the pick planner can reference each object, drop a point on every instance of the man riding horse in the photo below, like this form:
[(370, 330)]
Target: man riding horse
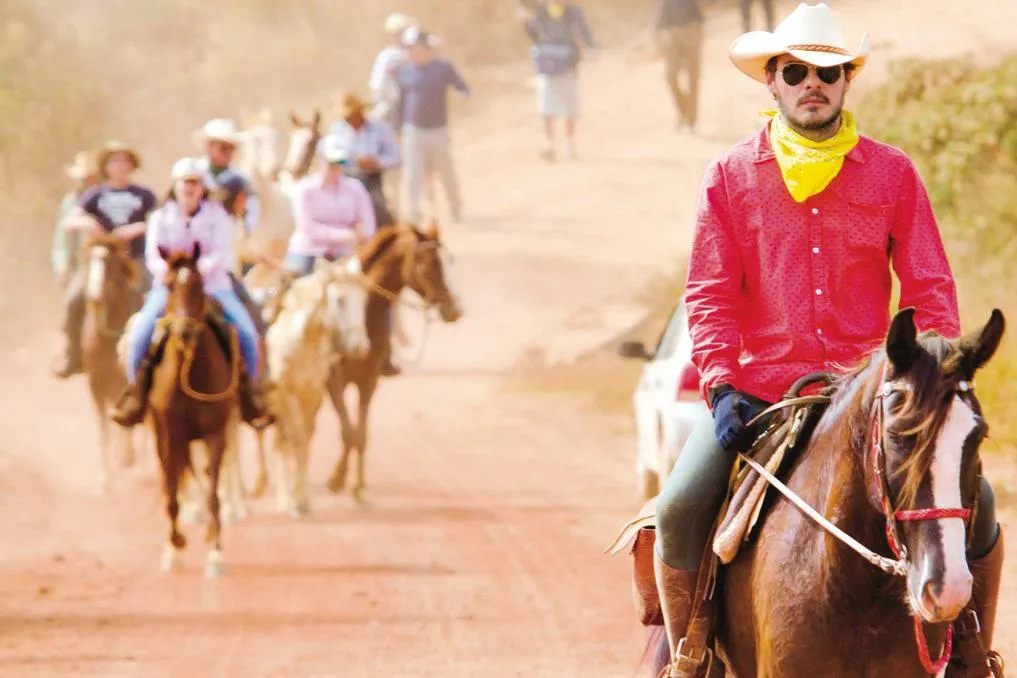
[(797, 228), (117, 206)]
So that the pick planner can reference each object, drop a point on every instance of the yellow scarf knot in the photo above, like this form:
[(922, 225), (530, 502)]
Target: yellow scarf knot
[(809, 166)]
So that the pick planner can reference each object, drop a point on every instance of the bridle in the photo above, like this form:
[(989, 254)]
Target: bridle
[(412, 277), (898, 565), (894, 518)]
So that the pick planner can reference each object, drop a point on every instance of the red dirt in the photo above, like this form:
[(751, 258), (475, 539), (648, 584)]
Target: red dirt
[(482, 554)]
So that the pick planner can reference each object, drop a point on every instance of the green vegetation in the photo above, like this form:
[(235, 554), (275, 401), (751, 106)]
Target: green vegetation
[(958, 121)]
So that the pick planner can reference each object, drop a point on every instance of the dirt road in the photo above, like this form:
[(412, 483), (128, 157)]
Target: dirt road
[(482, 554)]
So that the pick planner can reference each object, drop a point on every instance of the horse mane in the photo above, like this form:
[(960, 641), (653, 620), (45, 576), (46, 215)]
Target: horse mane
[(921, 413), (383, 241)]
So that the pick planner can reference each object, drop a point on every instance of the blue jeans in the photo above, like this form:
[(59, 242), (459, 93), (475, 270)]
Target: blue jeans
[(155, 306)]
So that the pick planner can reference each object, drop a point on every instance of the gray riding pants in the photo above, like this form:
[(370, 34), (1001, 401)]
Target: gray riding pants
[(692, 496)]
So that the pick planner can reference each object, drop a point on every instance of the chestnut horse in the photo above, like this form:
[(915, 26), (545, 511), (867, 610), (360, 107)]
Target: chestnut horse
[(110, 299), (893, 463), (396, 257), (193, 391)]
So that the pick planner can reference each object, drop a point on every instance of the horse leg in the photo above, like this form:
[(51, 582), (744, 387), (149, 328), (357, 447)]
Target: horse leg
[(189, 489), (261, 483), (232, 481), (367, 389), (105, 463), (336, 391), (173, 457), (216, 446)]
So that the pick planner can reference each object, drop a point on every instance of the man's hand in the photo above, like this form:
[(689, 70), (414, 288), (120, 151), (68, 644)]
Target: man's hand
[(732, 412), (368, 163), (129, 232)]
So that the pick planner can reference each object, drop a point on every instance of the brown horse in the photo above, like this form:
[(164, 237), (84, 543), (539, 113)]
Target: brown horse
[(395, 258), (193, 391), (894, 458), (110, 300)]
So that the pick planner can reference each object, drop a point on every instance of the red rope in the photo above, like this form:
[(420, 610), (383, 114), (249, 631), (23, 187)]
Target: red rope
[(923, 649)]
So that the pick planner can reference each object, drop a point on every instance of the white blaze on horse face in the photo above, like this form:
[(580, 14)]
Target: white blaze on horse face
[(300, 138), (183, 275), (945, 477), (96, 273)]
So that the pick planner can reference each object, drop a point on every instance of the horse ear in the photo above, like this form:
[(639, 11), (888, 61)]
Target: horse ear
[(317, 119), (295, 120), (432, 232), (978, 347), (902, 341), (197, 251), (164, 253)]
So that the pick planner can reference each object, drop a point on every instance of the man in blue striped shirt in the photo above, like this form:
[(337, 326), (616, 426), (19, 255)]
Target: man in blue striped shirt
[(372, 148)]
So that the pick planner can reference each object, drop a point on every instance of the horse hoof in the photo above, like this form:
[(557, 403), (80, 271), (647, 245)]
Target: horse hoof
[(214, 566), (362, 497), (259, 487), (300, 509), (178, 540), (168, 560), (335, 484)]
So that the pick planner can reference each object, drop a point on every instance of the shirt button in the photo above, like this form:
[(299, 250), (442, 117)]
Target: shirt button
[(819, 293), (815, 250), (815, 210), (819, 331)]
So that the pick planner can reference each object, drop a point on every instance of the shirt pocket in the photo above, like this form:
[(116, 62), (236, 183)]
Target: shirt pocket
[(865, 222)]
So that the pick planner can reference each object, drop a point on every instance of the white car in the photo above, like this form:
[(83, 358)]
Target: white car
[(666, 401)]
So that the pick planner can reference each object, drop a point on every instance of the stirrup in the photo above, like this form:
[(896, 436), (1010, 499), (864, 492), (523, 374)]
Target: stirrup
[(996, 664)]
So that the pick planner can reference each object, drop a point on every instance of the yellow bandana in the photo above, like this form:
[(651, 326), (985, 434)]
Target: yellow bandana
[(809, 166), (555, 10)]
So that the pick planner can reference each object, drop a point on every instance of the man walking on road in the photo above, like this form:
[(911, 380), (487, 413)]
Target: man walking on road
[(678, 25), (422, 114)]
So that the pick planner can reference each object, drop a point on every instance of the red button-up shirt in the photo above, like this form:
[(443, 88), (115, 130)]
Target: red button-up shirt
[(778, 289)]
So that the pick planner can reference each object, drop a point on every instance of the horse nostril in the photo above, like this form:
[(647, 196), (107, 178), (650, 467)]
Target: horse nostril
[(931, 593)]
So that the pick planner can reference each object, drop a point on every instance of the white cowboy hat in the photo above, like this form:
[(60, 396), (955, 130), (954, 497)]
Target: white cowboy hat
[(217, 129), (811, 33), (191, 168), (397, 22), (333, 149)]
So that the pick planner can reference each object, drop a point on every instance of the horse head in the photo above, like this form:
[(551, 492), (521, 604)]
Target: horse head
[(922, 466), (303, 145), (428, 272), (110, 270), (185, 307), (345, 304)]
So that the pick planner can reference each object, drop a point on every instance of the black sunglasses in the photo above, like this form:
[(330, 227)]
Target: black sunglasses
[(794, 74)]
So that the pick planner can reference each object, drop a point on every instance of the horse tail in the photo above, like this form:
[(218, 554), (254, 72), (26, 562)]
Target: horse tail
[(656, 654)]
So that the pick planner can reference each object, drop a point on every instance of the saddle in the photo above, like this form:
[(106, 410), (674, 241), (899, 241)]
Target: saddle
[(215, 318), (789, 425)]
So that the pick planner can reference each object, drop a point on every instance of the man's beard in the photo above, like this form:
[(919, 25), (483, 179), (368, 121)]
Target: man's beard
[(827, 124)]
